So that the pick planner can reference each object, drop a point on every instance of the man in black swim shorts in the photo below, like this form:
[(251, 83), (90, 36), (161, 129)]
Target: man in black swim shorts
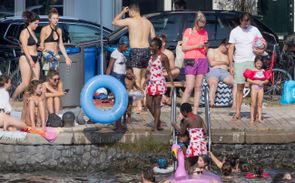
[(140, 31)]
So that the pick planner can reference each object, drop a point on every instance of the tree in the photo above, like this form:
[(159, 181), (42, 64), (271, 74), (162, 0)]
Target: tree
[(238, 5)]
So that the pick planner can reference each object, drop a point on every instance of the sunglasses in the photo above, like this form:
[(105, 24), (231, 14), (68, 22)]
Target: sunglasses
[(56, 79)]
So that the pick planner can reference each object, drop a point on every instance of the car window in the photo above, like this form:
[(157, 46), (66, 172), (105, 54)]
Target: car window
[(224, 25), (78, 33), (13, 32), (210, 24), (168, 25)]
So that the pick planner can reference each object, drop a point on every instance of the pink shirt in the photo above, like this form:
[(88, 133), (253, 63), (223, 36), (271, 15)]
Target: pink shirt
[(194, 38)]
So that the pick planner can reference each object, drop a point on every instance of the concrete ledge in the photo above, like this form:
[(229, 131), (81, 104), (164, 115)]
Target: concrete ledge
[(226, 136), (270, 137), (98, 134), (92, 134)]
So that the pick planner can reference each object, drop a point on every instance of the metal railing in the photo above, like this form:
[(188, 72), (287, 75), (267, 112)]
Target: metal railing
[(173, 113), (208, 118)]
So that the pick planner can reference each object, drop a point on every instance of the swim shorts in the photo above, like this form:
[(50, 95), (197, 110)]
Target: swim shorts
[(139, 58), (218, 73), (198, 67)]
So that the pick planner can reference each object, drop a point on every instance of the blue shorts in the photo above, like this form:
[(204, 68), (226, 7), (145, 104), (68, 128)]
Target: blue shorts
[(120, 77), (218, 73)]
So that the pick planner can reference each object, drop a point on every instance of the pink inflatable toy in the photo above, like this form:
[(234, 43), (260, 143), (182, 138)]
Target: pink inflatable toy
[(181, 176)]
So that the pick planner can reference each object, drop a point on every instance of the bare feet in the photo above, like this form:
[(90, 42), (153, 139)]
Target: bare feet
[(251, 124), (235, 118), (259, 120)]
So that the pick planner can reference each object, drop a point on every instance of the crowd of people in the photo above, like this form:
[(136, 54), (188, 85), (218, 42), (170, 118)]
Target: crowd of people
[(41, 99), (227, 63), (154, 65), (151, 65)]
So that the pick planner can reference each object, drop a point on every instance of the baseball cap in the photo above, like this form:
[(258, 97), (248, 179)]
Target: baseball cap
[(124, 40)]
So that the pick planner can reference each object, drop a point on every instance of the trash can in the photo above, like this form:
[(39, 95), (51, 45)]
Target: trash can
[(72, 76), (89, 63)]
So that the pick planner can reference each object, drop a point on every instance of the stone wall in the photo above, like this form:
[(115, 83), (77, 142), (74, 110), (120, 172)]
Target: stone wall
[(272, 155), (74, 157), (125, 156)]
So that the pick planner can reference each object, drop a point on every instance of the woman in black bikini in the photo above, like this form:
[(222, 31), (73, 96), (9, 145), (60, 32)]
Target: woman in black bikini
[(51, 39), (28, 61)]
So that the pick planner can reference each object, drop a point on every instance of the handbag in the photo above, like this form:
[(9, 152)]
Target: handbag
[(54, 121), (179, 53), (189, 62)]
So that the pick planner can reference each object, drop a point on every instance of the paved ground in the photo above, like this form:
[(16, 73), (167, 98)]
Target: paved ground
[(278, 127)]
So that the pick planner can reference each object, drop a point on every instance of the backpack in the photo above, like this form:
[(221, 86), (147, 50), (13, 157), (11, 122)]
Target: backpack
[(54, 121)]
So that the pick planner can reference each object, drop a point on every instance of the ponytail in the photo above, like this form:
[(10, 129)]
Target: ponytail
[(52, 11)]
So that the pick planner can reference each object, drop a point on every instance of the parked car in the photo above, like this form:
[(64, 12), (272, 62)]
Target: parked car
[(74, 31), (173, 23)]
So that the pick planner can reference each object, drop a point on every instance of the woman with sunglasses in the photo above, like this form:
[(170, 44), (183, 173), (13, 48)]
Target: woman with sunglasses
[(51, 40), (28, 61), (53, 91), (194, 47)]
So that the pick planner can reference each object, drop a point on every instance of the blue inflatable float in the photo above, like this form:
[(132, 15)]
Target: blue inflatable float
[(104, 116)]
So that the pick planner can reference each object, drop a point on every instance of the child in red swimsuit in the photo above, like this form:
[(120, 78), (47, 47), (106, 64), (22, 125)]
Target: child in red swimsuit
[(155, 81)]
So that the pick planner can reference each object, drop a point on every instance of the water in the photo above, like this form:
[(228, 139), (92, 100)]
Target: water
[(105, 177)]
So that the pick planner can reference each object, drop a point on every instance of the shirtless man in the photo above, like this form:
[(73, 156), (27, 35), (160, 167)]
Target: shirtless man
[(174, 70), (219, 65), (140, 30)]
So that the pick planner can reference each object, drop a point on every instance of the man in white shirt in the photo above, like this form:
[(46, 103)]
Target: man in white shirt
[(5, 84), (241, 55)]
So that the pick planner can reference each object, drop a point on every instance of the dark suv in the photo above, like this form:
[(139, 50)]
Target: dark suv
[(173, 23), (74, 31)]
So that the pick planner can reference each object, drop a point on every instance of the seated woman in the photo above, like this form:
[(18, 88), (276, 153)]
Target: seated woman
[(53, 90), (34, 113)]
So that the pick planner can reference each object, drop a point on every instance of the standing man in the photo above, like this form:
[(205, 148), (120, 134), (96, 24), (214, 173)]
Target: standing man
[(140, 31), (241, 39)]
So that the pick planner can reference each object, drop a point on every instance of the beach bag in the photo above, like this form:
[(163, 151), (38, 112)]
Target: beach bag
[(288, 96), (54, 121), (179, 53)]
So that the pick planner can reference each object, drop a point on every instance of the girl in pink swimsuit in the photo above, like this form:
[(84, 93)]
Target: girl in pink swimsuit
[(257, 78)]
